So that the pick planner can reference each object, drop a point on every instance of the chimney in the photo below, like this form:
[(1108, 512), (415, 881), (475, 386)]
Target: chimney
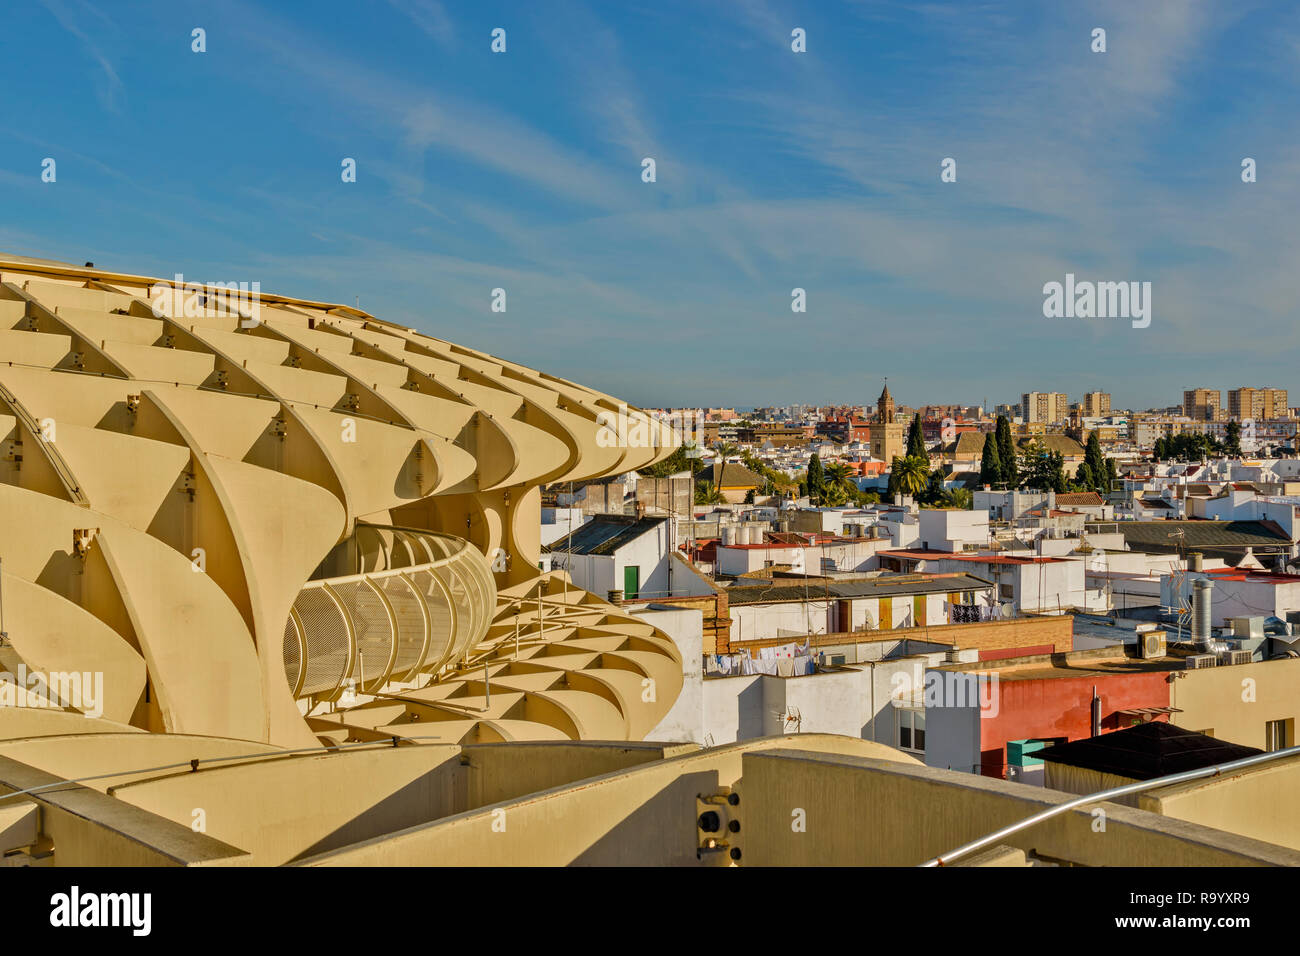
[(1194, 560)]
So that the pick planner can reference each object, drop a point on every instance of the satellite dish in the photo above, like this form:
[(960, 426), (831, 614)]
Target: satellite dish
[(1008, 609)]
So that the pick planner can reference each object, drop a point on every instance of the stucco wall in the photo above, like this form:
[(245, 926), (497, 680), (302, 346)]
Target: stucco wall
[(685, 719), (1236, 702)]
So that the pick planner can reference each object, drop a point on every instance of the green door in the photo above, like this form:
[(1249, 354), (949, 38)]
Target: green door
[(631, 581)]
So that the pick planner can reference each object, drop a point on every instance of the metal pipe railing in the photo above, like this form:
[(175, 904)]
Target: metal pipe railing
[(1102, 795)]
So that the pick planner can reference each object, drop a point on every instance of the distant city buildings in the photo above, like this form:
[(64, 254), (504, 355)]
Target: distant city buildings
[(1201, 404), (1096, 404), (1258, 404), (1045, 407)]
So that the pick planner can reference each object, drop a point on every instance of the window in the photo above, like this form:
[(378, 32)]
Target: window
[(910, 728), (1277, 734), (1006, 591)]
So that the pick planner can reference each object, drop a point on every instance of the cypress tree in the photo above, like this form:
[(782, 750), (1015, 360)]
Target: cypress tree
[(990, 463), (816, 477), (1095, 461), (916, 440), (1007, 454)]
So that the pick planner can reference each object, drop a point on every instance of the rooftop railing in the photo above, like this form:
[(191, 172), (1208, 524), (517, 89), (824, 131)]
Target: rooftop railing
[(422, 602)]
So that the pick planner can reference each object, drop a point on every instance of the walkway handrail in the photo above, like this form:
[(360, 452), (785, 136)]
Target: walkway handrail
[(1102, 795)]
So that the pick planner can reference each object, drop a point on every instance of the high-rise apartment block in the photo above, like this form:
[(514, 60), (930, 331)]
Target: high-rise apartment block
[(1096, 404), (1202, 404), (1045, 407), (1260, 404)]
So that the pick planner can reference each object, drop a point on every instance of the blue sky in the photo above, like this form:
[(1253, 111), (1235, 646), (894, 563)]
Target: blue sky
[(775, 170)]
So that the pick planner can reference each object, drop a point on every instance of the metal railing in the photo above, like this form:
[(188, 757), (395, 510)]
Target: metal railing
[(1101, 795), (358, 632)]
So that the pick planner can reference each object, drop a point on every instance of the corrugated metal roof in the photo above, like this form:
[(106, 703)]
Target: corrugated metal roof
[(1202, 534), (605, 535), (903, 584)]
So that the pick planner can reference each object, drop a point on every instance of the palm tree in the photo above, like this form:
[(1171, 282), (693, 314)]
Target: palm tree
[(960, 498), (834, 496), (707, 493), (839, 475), (911, 474)]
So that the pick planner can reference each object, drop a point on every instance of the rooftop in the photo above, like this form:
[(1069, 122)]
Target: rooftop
[(605, 534), (883, 586), (1146, 751), (1168, 535), (922, 554)]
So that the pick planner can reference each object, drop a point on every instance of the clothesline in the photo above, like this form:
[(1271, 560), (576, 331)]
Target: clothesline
[(783, 660)]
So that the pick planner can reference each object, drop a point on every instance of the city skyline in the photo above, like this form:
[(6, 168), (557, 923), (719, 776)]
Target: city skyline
[(775, 170)]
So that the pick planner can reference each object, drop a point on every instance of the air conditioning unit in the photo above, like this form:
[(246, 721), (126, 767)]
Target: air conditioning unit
[(1229, 657), (1197, 662), (1151, 645)]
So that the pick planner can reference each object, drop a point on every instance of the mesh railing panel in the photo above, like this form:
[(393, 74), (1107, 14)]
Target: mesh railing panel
[(408, 610), (373, 629), (326, 636), (292, 652), (440, 618), (455, 593), (460, 602)]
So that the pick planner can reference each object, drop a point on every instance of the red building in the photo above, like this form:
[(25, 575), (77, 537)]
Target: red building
[(972, 711)]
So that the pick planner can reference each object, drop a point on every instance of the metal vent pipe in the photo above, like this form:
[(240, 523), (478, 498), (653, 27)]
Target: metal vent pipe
[(1201, 632)]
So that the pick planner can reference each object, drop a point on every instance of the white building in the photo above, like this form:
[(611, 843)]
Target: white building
[(616, 552), (1038, 584)]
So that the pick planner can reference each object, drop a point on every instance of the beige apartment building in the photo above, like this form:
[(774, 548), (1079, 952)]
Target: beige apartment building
[(1096, 404), (1048, 407), (1261, 404), (1202, 404)]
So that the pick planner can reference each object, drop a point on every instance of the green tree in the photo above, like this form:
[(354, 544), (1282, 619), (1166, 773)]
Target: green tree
[(1095, 460), (916, 439), (707, 493), (1232, 439), (961, 498), (1084, 479), (838, 475), (1041, 469), (1007, 454), (990, 463), (680, 460), (816, 478), (863, 498), (909, 475), (833, 496)]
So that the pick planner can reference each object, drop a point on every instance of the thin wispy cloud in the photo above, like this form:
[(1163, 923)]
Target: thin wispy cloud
[(85, 21), (775, 170)]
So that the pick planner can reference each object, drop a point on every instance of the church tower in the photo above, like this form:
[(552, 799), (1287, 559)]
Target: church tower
[(886, 433), (885, 406)]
